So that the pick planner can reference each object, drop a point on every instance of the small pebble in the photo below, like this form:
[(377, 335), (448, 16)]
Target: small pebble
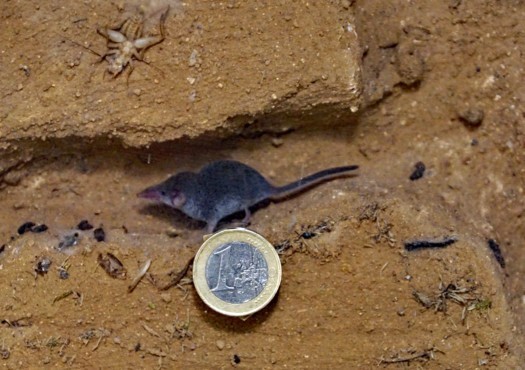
[(166, 297), (25, 227), (173, 232), (472, 116), (483, 362), (4, 353), (454, 4), (99, 234), (26, 69), (137, 92), (345, 4), (193, 58), (277, 142), (84, 225), (220, 344)]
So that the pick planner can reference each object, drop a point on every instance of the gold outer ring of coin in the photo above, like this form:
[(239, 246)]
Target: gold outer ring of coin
[(256, 241)]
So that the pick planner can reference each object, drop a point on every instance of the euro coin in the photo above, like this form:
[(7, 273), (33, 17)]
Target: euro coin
[(237, 272)]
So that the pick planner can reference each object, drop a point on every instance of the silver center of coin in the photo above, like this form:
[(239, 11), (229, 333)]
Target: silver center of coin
[(236, 272)]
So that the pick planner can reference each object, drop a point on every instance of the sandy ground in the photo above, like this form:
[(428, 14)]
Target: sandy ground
[(442, 85), (220, 68)]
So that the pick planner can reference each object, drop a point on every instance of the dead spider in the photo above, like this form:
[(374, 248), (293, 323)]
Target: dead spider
[(126, 42)]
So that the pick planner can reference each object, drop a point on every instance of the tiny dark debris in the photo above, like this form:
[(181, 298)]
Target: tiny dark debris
[(63, 273), (69, 240), (39, 228), (112, 265), (236, 359), (84, 225), (312, 231), (308, 235), (2, 248), (87, 335), (424, 244), (43, 265), (99, 234), (137, 347), (25, 227), (419, 171), (496, 251)]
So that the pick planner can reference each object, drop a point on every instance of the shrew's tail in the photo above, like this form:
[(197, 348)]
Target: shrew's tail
[(312, 180)]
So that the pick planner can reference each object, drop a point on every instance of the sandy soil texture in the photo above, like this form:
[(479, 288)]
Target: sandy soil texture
[(221, 67), (439, 86)]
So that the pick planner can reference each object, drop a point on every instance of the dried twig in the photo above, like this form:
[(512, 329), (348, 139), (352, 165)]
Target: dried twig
[(150, 330), (143, 270), (425, 355), (23, 321), (62, 296), (176, 277), (102, 334)]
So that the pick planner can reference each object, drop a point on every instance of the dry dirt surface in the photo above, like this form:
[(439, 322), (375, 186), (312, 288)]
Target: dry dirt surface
[(442, 84), (220, 68)]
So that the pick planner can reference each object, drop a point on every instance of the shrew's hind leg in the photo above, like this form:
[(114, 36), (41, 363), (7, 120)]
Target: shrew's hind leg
[(247, 214)]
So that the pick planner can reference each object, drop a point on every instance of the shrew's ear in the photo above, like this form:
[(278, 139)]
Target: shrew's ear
[(177, 199)]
